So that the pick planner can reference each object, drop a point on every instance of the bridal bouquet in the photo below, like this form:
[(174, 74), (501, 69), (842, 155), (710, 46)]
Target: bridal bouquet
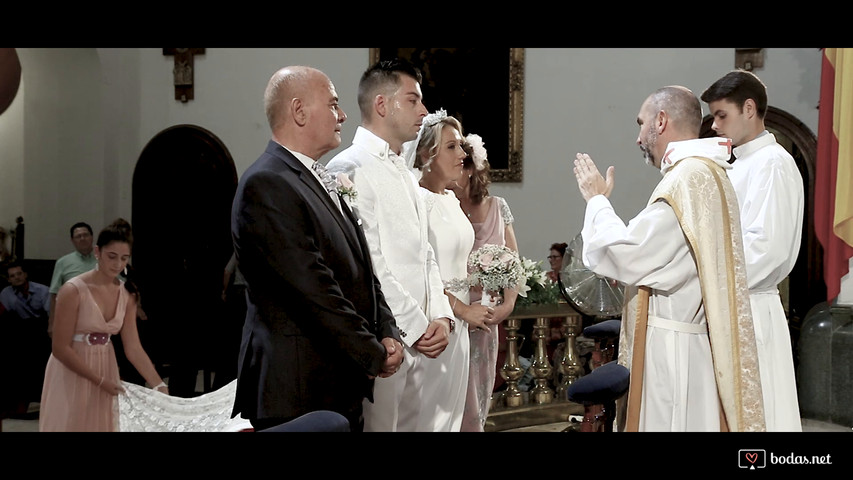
[(492, 267), (495, 267)]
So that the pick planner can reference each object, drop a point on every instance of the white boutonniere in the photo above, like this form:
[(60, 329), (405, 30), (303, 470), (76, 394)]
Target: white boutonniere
[(345, 187)]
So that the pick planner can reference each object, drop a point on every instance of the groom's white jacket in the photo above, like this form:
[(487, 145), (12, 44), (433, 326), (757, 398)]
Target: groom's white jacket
[(394, 220)]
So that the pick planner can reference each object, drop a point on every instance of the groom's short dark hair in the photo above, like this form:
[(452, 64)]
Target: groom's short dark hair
[(382, 75)]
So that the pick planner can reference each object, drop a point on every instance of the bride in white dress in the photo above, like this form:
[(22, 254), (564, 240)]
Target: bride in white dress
[(438, 160)]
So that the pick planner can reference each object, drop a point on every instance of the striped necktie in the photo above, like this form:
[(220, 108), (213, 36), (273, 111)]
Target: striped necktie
[(328, 182)]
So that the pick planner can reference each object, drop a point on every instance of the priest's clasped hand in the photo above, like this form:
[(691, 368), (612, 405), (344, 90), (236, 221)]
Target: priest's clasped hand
[(590, 181)]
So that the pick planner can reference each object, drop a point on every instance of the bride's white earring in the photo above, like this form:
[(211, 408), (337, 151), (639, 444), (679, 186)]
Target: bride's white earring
[(97, 262)]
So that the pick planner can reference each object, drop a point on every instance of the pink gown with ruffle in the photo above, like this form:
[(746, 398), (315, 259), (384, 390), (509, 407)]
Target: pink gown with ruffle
[(484, 345), (69, 402)]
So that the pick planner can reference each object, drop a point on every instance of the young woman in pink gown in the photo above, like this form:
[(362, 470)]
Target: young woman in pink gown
[(81, 379), (492, 221)]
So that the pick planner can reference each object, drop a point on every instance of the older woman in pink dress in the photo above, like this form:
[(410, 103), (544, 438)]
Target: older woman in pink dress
[(492, 221)]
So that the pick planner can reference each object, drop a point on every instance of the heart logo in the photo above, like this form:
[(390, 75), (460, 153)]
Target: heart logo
[(752, 457)]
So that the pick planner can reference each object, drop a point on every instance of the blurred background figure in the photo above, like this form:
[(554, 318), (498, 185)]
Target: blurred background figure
[(555, 258), (79, 261), (234, 299), (5, 253), (5, 257)]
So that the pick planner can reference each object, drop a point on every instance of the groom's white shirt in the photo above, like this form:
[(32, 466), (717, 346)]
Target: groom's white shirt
[(394, 220)]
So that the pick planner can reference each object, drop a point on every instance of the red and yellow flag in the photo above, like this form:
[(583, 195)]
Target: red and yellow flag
[(834, 169)]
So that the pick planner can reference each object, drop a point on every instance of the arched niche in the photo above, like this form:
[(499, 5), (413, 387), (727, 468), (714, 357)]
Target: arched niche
[(183, 187)]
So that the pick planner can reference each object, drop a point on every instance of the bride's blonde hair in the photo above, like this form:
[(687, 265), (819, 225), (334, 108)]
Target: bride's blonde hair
[(430, 139)]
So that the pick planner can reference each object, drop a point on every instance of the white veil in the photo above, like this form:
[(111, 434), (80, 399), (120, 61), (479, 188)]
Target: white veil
[(142, 409), (410, 148)]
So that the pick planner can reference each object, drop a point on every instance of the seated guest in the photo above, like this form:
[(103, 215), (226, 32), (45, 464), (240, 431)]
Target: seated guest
[(25, 305), (27, 299)]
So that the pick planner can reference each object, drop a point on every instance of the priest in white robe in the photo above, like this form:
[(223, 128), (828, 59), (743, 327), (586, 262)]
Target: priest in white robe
[(769, 188), (687, 335)]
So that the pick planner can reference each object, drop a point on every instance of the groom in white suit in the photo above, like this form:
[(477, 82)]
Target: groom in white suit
[(395, 224)]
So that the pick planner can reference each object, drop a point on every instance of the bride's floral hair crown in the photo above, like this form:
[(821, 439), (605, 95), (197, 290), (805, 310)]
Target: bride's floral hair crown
[(429, 121), (433, 118), (478, 151)]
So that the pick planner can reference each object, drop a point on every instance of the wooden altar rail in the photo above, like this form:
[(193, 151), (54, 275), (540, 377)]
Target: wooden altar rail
[(543, 404)]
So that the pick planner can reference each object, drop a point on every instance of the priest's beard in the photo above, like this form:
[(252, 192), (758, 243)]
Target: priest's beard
[(647, 147)]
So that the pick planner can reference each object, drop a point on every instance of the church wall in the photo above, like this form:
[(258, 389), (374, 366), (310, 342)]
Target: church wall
[(59, 153), (121, 80), (11, 165)]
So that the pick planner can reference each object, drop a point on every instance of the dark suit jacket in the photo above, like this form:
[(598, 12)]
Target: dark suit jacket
[(315, 312)]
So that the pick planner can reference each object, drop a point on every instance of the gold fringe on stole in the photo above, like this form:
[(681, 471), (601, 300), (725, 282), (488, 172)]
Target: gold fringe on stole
[(724, 424), (635, 385)]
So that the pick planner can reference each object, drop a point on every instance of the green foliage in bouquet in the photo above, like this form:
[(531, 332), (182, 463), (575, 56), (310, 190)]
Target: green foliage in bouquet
[(537, 290)]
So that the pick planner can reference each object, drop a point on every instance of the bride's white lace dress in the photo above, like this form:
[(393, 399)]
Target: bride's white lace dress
[(142, 409)]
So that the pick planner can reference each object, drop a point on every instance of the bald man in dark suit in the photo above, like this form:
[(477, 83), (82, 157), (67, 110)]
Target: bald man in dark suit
[(318, 330)]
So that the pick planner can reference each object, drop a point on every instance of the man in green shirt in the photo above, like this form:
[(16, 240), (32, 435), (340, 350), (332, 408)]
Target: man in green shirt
[(79, 261)]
